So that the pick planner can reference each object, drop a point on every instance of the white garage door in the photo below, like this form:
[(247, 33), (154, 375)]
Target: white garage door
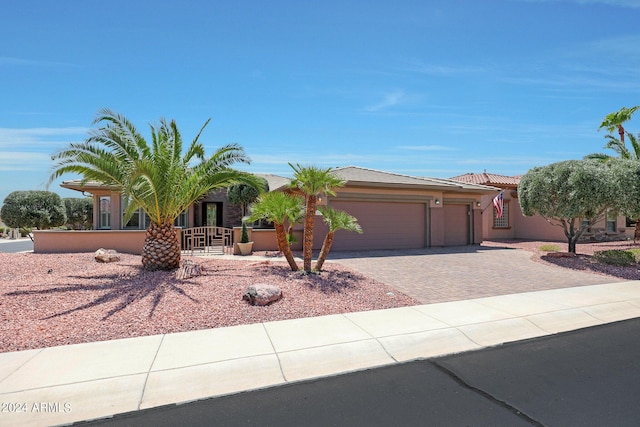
[(385, 225)]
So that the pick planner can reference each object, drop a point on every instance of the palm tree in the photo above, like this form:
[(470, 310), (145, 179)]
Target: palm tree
[(156, 177), (620, 148), (310, 181), (279, 208), (335, 220), (616, 119)]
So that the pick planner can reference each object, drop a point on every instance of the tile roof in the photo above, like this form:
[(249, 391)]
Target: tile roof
[(485, 178), (364, 176)]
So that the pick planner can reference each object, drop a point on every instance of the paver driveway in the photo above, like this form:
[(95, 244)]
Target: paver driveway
[(465, 272)]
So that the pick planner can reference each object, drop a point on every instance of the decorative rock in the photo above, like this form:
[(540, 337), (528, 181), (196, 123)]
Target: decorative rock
[(188, 269), (262, 294), (107, 255)]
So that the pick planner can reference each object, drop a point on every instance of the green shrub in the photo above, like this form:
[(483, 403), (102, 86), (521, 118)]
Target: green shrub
[(617, 257), (550, 248)]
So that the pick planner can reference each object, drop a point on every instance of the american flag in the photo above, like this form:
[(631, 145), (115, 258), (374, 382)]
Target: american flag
[(497, 203)]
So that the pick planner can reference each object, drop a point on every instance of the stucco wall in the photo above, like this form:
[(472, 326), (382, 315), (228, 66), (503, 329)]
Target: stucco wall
[(57, 241)]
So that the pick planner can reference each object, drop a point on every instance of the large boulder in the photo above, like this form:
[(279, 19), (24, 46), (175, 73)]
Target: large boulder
[(107, 255), (262, 294)]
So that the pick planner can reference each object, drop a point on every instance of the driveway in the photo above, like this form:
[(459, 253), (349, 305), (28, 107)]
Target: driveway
[(457, 273)]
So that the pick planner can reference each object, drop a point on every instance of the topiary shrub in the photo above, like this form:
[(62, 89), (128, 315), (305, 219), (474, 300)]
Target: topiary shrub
[(623, 258)]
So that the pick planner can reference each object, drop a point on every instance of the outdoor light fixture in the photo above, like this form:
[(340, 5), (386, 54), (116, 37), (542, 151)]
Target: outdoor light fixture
[(437, 201), (478, 204)]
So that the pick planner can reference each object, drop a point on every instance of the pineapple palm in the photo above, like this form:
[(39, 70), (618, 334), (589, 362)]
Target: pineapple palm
[(279, 208), (310, 181), (335, 220), (156, 177)]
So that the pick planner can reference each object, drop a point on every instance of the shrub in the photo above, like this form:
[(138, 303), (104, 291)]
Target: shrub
[(41, 209), (550, 248), (622, 258), (79, 213), (244, 237)]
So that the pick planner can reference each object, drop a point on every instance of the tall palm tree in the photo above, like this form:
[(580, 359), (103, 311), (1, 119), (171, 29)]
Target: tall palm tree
[(279, 208), (616, 119), (335, 220), (310, 181), (620, 148), (156, 177)]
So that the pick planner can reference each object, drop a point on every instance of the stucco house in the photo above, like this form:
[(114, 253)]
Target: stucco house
[(514, 225), (395, 211)]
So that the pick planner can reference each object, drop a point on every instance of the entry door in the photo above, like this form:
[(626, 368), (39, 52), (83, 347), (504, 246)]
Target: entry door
[(212, 214)]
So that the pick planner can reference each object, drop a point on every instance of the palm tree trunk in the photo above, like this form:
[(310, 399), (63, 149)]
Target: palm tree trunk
[(283, 245), (324, 252), (161, 250), (309, 220)]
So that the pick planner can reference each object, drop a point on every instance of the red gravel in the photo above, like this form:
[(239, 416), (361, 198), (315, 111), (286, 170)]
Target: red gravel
[(57, 299), (582, 262)]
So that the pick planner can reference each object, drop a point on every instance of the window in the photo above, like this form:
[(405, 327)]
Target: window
[(182, 220), (611, 221), (502, 222), (104, 220)]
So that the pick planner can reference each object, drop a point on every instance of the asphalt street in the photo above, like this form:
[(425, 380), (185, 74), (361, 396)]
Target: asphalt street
[(20, 245), (589, 377)]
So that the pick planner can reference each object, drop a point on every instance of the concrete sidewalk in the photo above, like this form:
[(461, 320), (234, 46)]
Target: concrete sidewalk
[(86, 381)]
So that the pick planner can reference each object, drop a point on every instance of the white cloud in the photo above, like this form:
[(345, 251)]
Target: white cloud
[(390, 100), (425, 148), (24, 161), (40, 137), (13, 61)]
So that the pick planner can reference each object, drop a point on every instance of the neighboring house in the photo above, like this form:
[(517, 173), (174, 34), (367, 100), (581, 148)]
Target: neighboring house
[(514, 225), (395, 211)]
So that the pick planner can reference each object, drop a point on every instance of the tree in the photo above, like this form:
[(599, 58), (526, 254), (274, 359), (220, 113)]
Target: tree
[(311, 181), (574, 193), (335, 220), (79, 213), (620, 148), (40, 209), (244, 194), (611, 122), (279, 208), (616, 119), (157, 177)]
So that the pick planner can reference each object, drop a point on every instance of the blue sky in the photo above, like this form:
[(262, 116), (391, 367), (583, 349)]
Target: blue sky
[(430, 88)]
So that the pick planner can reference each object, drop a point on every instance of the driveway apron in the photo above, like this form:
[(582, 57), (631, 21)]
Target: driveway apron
[(463, 272)]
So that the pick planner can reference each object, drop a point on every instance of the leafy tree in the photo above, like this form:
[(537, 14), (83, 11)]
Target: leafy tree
[(157, 177), (244, 194), (310, 181), (41, 209), (279, 208), (569, 193), (79, 212), (611, 122), (335, 220)]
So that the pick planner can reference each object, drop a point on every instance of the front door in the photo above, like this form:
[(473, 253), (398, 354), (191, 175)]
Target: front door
[(212, 214)]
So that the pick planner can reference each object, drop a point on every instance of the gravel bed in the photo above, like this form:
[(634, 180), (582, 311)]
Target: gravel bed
[(583, 261), (57, 299)]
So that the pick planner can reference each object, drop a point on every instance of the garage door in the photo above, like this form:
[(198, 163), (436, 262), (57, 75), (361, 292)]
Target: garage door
[(385, 225), (456, 225)]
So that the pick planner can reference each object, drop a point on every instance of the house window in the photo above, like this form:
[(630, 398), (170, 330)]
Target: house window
[(182, 220), (104, 220), (503, 221), (611, 221)]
